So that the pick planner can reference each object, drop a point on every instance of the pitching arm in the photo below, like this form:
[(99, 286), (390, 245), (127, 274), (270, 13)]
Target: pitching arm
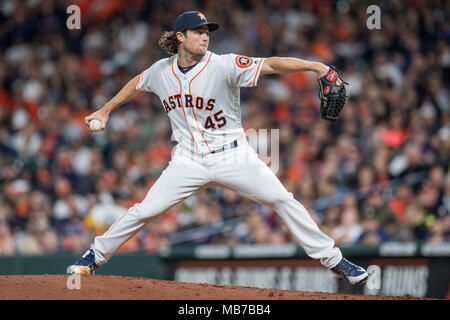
[(128, 92)]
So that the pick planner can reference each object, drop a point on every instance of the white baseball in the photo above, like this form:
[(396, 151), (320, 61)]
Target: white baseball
[(95, 124)]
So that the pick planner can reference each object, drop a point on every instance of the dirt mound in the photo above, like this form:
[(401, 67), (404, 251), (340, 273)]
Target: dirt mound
[(101, 287)]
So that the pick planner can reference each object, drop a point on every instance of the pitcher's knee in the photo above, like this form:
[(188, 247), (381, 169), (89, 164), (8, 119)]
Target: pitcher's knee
[(281, 200)]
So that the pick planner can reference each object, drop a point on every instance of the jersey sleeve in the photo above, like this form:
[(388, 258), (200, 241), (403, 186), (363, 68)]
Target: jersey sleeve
[(147, 79), (244, 71)]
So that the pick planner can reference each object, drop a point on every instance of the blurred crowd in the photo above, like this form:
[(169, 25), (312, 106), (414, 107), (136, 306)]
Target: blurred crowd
[(384, 166)]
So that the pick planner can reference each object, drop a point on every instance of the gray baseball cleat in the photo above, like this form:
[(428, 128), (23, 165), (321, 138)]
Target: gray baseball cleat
[(355, 274), (85, 265)]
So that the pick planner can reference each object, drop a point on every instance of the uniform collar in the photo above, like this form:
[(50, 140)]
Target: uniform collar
[(194, 70)]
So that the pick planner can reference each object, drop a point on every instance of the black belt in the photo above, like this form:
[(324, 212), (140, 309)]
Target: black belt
[(231, 145)]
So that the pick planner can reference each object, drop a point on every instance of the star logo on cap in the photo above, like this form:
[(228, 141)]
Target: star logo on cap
[(201, 16)]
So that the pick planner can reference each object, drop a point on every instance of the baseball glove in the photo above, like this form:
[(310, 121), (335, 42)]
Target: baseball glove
[(332, 97)]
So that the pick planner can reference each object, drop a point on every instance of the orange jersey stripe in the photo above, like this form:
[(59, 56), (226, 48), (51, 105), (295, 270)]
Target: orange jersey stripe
[(199, 72), (182, 105), (193, 107), (254, 79), (140, 80), (115, 223)]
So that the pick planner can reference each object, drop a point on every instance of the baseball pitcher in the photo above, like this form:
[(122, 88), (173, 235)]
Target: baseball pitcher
[(199, 92)]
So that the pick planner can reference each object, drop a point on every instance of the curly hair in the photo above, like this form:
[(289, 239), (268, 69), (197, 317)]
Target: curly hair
[(169, 42)]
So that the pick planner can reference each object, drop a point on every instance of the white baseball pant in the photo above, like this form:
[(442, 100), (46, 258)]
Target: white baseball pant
[(239, 169)]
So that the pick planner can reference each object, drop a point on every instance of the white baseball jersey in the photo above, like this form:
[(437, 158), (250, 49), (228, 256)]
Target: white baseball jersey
[(203, 104)]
